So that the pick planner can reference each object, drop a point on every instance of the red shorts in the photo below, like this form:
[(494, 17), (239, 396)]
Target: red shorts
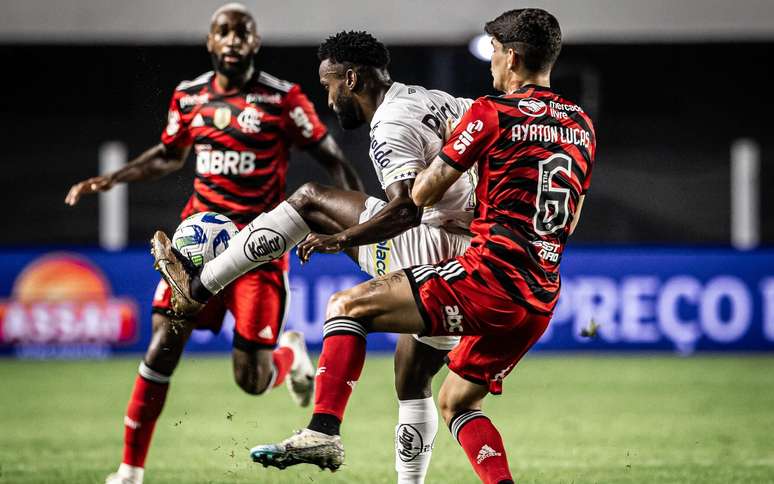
[(258, 300), (496, 331)]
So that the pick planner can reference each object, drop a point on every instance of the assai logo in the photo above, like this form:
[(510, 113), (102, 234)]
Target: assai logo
[(250, 120), (62, 301), (264, 244), (532, 107), (193, 100), (453, 319), (466, 136), (409, 443)]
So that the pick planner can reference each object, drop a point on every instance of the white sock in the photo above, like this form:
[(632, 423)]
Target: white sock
[(414, 439), (268, 237), (131, 472)]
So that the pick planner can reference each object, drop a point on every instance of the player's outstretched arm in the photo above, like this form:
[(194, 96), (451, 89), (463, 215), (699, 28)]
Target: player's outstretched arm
[(432, 183), (328, 153), (156, 162), (397, 216)]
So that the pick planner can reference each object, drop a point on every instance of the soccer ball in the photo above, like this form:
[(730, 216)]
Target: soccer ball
[(202, 236)]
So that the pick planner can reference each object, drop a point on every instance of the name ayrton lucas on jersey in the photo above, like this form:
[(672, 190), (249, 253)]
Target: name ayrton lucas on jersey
[(551, 134)]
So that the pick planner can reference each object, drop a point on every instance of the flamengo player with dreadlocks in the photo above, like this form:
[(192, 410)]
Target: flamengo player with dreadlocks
[(241, 123), (534, 150), (408, 128)]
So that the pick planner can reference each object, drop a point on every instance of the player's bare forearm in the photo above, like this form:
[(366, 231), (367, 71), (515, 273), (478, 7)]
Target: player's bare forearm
[(393, 219), (433, 182), (328, 153), (152, 164)]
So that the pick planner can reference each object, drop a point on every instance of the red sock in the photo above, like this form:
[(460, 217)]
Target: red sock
[(483, 445), (341, 362), (283, 359), (144, 409)]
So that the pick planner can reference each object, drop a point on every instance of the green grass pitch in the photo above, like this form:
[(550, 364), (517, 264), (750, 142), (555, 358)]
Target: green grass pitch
[(564, 419)]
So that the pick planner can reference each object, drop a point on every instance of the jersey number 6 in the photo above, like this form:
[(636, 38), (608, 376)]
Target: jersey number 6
[(552, 202)]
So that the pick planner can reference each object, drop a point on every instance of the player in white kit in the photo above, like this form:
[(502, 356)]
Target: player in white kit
[(408, 127)]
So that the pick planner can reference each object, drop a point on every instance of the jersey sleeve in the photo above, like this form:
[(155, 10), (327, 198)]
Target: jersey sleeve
[(475, 132), (301, 122), (592, 155), (396, 151), (176, 132)]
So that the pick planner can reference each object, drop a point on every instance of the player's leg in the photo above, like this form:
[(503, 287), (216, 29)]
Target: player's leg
[(460, 403), (418, 359), (312, 207), (266, 238), (259, 301), (415, 365), (150, 390), (382, 304)]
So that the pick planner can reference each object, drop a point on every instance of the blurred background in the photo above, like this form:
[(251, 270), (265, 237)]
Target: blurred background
[(676, 226), (674, 254)]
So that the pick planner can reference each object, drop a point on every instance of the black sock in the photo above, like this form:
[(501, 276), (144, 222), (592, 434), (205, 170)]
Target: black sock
[(324, 423), (198, 291), (506, 481)]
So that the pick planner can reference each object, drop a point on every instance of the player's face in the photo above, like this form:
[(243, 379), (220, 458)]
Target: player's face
[(232, 43), (340, 97), (499, 65)]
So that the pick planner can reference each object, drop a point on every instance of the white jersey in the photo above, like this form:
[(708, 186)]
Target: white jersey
[(407, 133)]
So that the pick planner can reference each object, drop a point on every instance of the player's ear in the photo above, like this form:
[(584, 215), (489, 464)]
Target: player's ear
[(258, 41), (513, 59), (208, 42), (352, 80)]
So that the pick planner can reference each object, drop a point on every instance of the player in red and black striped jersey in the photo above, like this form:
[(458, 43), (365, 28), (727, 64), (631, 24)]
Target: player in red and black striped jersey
[(534, 151), (241, 124)]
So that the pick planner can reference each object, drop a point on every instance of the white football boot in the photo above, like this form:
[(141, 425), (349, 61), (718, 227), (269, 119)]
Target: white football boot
[(300, 380), (303, 447), (126, 474)]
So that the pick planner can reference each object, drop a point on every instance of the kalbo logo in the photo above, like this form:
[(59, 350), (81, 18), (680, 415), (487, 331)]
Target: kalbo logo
[(532, 107), (409, 443), (264, 245), (64, 299)]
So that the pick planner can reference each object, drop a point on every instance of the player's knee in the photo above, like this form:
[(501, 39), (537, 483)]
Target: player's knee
[(350, 303), (253, 379), (306, 196)]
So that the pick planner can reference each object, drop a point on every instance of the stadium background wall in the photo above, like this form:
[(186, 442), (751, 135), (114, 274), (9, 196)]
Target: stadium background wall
[(645, 299), (666, 117)]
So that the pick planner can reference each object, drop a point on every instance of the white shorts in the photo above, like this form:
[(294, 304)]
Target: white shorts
[(423, 244)]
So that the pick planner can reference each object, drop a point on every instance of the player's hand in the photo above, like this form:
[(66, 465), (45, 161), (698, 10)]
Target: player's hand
[(450, 125), (92, 185), (326, 244)]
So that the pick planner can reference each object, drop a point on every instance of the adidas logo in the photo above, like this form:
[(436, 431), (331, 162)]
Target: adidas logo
[(320, 371), (266, 333), (486, 452), (198, 121), (352, 384)]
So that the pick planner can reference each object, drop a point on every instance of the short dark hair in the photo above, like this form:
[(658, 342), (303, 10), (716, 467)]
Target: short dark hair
[(533, 32), (354, 48)]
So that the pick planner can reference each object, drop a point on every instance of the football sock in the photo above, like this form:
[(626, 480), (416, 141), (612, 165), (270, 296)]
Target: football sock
[(145, 404), (339, 368), (325, 423), (414, 439), (483, 445), (283, 360), (268, 237)]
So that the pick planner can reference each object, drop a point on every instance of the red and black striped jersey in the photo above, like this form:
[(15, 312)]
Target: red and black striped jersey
[(535, 152), (241, 141)]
